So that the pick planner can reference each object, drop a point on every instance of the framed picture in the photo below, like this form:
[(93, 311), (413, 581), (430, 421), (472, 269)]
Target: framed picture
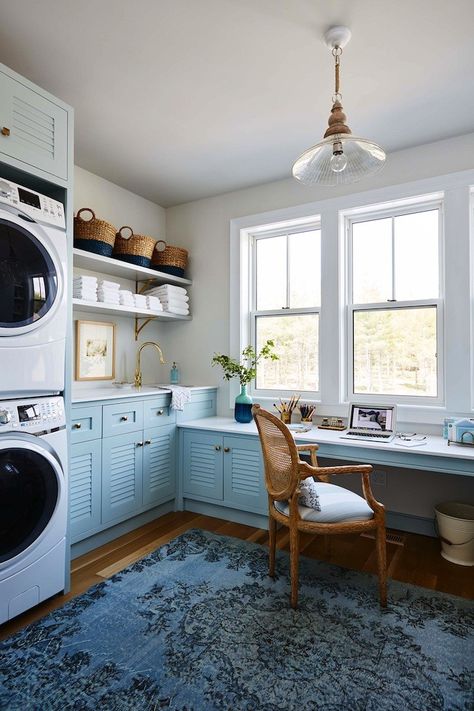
[(95, 350)]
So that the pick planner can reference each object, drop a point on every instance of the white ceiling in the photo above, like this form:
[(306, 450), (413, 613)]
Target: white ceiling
[(181, 99)]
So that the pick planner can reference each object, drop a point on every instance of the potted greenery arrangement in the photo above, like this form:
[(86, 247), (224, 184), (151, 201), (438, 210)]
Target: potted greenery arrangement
[(245, 370)]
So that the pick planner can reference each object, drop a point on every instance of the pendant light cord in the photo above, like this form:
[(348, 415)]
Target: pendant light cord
[(336, 52)]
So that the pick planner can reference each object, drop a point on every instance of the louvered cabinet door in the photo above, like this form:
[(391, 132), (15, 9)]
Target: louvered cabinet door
[(158, 464), (202, 465), (85, 489), (244, 483), (122, 458), (33, 128)]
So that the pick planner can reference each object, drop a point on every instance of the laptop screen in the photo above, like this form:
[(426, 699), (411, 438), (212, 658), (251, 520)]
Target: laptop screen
[(374, 418)]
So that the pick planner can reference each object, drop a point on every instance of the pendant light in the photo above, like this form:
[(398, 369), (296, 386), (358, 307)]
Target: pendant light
[(340, 158)]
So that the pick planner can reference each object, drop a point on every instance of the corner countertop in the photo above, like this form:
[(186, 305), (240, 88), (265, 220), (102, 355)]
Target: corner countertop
[(109, 392)]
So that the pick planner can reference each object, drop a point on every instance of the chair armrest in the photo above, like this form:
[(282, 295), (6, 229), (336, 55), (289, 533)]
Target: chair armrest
[(325, 471), (312, 449)]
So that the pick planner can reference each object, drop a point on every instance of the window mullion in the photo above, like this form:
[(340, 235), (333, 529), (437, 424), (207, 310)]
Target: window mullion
[(287, 305), (394, 297)]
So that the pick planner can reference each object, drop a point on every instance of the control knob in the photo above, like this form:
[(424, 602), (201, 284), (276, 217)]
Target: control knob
[(5, 417)]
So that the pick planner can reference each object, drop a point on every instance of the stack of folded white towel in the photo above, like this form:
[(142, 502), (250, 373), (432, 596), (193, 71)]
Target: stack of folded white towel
[(85, 287), (174, 299), (153, 303), (140, 301), (126, 298), (108, 292)]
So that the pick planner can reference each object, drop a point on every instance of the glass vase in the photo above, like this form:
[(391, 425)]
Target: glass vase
[(243, 406)]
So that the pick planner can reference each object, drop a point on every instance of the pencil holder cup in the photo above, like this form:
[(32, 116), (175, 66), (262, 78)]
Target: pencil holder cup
[(307, 419), (285, 417)]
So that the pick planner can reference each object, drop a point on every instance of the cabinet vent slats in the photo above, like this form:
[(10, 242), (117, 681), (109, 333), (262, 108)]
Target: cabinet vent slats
[(244, 466), (33, 126), (120, 494), (81, 487)]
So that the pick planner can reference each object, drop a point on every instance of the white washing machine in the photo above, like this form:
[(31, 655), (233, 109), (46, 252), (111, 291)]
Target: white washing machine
[(33, 307), (33, 502)]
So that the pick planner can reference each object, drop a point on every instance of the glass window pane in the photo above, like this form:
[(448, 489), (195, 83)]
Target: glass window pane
[(297, 343), (305, 269), (372, 261), (416, 256), (271, 273), (395, 351)]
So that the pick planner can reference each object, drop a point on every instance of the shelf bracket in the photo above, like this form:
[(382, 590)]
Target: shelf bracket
[(138, 328)]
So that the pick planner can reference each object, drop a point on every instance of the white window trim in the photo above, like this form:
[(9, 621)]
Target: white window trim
[(459, 391)]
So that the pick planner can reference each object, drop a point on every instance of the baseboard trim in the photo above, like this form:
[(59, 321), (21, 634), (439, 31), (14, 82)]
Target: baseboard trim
[(410, 523)]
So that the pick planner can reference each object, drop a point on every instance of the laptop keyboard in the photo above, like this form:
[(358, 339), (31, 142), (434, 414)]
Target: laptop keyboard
[(375, 435)]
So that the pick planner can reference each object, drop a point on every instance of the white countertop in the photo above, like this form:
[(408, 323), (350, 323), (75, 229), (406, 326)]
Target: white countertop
[(435, 446), (110, 392)]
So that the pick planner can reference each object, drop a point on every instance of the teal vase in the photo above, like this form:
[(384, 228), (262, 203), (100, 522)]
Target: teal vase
[(243, 406)]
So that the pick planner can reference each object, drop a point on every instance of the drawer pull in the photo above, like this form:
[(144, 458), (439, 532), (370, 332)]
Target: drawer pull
[(124, 418), (5, 131), (148, 441), (217, 447), (139, 444), (226, 449), (77, 426), (160, 412)]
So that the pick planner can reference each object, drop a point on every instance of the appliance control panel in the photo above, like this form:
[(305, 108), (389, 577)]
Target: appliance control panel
[(39, 207), (32, 415)]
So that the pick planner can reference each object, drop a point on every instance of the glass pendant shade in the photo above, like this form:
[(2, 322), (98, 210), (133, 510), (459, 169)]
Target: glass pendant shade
[(338, 160)]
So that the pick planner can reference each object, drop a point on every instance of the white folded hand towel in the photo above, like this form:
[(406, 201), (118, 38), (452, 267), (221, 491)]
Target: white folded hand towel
[(173, 297), (84, 279), (154, 303), (179, 396), (176, 310), (175, 303), (125, 292), (85, 297), (171, 287), (104, 284), (107, 299), (83, 290)]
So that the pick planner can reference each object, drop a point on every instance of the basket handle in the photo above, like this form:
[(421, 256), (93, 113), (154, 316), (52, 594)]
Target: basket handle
[(445, 540), (160, 241), (85, 209), (125, 227)]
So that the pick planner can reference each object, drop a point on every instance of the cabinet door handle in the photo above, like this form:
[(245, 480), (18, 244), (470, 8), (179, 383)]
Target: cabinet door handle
[(226, 449), (77, 426), (148, 441), (217, 447), (160, 412), (5, 131), (139, 444), (124, 418)]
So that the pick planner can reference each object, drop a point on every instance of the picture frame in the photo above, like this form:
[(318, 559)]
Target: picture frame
[(95, 350)]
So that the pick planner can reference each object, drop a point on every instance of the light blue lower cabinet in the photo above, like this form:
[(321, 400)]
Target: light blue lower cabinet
[(85, 488), (224, 469), (159, 464), (122, 464)]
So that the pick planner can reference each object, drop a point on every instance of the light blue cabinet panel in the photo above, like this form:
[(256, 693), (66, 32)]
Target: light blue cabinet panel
[(38, 128), (122, 418), (159, 464), (202, 465), (86, 423), (244, 482), (122, 459), (156, 414), (85, 488)]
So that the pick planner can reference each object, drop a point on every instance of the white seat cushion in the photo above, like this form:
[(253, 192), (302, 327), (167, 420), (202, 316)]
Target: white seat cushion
[(338, 505)]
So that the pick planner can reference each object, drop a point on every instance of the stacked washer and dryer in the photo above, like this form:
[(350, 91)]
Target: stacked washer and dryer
[(33, 435)]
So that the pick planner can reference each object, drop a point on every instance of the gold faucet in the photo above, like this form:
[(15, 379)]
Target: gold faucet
[(138, 372)]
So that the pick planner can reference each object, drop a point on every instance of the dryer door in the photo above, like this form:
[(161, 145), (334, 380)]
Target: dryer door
[(30, 276), (30, 486)]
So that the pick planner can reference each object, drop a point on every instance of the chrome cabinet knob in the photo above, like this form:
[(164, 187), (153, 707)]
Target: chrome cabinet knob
[(217, 447), (139, 444), (124, 418), (5, 417), (148, 441), (77, 426), (160, 412), (226, 449)]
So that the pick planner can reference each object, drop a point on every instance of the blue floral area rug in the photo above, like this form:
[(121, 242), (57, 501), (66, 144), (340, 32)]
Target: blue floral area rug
[(199, 625)]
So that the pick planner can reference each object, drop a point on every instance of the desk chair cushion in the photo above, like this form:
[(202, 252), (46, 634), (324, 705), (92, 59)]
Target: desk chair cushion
[(337, 504)]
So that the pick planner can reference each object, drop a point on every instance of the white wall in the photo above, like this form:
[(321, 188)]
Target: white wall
[(121, 207)]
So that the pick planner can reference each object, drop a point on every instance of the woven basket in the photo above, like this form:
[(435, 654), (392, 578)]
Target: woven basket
[(171, 260), (136, 249), (94, 235)]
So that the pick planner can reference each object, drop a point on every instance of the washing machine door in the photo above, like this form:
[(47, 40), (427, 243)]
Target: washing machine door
[(31, 283), (31, 481)]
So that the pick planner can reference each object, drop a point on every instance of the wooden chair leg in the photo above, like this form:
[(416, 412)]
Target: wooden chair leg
[(272, 545), (381, 545), (294, 562)]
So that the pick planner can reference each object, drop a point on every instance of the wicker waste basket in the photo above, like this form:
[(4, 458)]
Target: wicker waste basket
[(171, 260), (93, 235), (455, 525), (136, 249)]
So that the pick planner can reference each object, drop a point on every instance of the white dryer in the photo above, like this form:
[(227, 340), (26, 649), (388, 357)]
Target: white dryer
[(33, 305), (33, 502)]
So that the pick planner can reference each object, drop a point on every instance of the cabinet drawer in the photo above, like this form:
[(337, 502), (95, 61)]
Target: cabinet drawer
[(125, 417), (86, 423), (156, 414)]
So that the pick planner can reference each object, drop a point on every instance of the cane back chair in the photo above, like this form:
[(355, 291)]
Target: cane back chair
[(346, 512)]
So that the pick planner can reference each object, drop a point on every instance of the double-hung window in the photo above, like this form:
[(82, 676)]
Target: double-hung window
[(394, 304), (285, 307)]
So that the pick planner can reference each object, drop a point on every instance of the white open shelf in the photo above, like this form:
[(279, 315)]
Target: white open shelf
[(114, 267), (112, 310)]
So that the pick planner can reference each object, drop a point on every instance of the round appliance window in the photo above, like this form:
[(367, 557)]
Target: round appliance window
[(28, 495), (28, 278)]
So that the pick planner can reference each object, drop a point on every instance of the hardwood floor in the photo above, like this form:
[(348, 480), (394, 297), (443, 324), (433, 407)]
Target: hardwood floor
[(418, 561)]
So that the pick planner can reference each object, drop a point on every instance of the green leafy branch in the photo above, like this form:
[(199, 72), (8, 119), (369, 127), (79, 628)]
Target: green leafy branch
[(247, 370)]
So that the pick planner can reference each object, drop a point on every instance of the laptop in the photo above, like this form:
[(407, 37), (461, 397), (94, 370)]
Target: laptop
[(371, 423)]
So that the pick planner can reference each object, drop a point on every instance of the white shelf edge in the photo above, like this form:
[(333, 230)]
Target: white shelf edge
[(114, 267), (108, 309)]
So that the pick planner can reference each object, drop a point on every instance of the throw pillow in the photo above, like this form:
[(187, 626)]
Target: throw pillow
[(309, 494)]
